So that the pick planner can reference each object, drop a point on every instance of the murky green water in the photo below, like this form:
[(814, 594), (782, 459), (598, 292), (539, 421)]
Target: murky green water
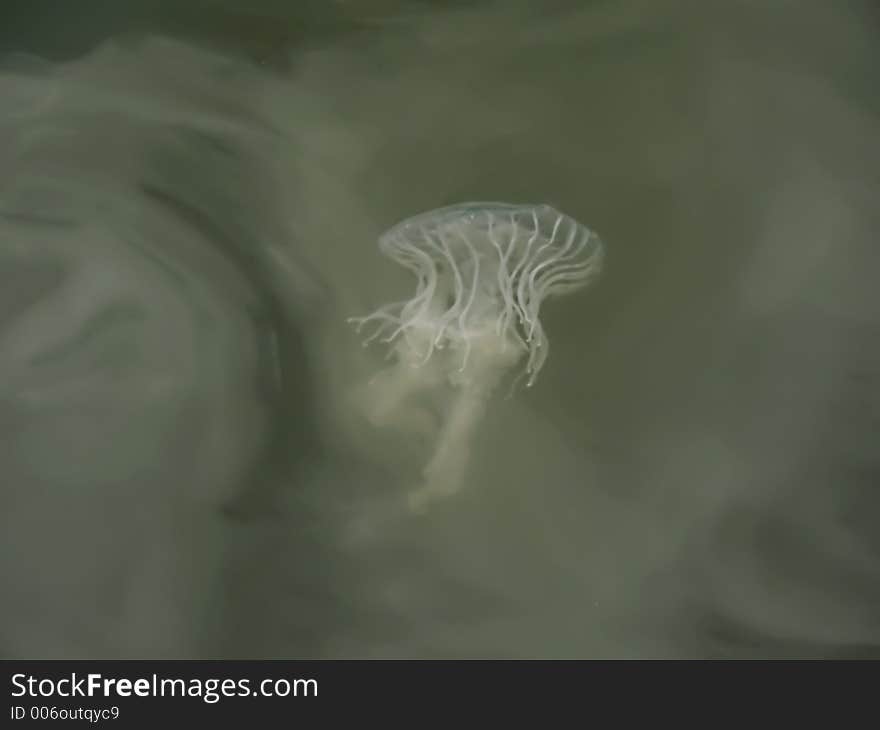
[(190, 212)]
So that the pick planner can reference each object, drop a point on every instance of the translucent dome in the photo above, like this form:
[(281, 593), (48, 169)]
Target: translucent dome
[(483, 270)]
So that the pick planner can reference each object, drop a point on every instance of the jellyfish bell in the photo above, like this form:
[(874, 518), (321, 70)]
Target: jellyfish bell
[(482, 272)]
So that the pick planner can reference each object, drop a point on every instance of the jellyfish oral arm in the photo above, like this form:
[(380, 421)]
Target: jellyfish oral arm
[(445, 472), (383, 399)]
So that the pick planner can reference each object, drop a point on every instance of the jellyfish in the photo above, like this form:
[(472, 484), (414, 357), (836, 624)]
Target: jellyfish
[(482, 272)]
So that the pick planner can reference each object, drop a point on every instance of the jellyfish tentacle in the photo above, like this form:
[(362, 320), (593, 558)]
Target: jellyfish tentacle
[(384, 317), (573, 274), (537, 355), (523, 260), (502, 271), (570, 274), (424, 295), (548, 263), (452, 310), (462, 319), (522, 293), (505, 280)]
